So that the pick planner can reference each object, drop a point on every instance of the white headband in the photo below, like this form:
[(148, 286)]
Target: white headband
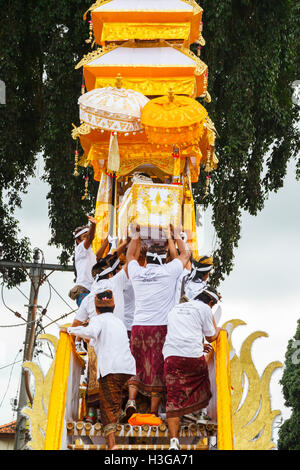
[(76, 235), (155, 256), (208, 292), (195, 270), (108, 270), (211, 294)]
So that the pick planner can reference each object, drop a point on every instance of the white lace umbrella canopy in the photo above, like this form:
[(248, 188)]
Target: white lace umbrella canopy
[(112, 109)]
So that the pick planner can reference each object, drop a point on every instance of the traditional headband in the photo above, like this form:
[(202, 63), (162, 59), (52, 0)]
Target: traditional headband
[(108, 270), (156, 256), (195, 270), (205, 290), (211, 294), (84, 230)]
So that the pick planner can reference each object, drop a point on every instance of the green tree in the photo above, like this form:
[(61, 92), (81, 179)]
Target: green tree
[(289, 434), (251, 52)]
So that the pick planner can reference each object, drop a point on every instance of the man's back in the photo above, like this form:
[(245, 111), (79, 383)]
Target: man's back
[(187, 324), (154, 288)]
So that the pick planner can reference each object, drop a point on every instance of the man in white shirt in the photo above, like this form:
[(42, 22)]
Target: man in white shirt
[(197, 278), (85, 259), (104, 269), (115, 363), (185, 368), (154, 288)]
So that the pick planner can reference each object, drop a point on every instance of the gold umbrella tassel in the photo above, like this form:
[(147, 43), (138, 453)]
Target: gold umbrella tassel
[(208, 178), (86, 186), (76, 172), (90, 39)]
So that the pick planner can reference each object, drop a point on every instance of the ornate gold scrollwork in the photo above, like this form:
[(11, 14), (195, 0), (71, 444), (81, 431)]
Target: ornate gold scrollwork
[(38, 414), (252, 416)]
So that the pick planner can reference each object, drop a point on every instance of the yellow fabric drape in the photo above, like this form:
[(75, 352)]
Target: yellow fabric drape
[(103, 210), (133, 155), (148, 31), (223, 382), (151, 86), (57, 403)]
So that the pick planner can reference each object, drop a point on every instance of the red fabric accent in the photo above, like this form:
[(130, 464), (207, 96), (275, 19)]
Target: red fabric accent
[(146, 347), (188, 385)]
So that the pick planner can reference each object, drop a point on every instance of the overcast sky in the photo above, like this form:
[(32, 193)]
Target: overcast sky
[(262, 290)]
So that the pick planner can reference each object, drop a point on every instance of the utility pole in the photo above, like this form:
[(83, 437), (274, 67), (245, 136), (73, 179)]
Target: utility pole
[(25, 393), (36, 270)]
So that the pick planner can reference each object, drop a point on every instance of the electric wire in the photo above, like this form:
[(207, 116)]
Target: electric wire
[(6, 306), (61, 297), (9, 380), (12, 363), (60, 318), (18, 324)]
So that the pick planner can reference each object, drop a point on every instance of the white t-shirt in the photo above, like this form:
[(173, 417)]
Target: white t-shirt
[(188, 323), (123, 296), (154, 289), (129, 300), (87, 309), (108, 336), (192, 288), (85, 259)]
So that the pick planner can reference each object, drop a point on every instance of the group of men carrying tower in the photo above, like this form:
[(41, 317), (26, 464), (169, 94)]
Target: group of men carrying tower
[(144, 310)]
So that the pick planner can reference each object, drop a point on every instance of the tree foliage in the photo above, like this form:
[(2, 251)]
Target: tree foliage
[(251, 52), (289, 434)]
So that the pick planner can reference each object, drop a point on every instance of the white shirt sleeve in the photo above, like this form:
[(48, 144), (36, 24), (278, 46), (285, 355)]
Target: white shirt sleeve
[(118, 284), (90, 332), (133, 268), (80, 251), (82, 314), (208, 326), (174, 268)]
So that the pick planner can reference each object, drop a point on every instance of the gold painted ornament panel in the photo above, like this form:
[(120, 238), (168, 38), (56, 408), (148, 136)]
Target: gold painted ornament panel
[(252, 416)]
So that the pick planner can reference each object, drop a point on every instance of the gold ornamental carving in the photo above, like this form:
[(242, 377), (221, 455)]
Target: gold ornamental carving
[(38, 414), (252, 416)]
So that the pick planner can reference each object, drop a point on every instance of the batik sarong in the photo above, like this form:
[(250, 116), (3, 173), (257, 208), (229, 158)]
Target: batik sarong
[(146, 347), (93, 386), (188, 385), (111, 395)]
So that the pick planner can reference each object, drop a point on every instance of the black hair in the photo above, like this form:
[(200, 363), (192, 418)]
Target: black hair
[(156, 249), (111, 259), (206, 298), (108, 293), (100, 266), (78, 229), (105, 309), (200, 275)]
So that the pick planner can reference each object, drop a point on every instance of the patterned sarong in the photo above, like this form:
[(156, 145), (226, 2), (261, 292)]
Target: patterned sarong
[(146, 347), (111, 394), (93, 386), (188, 385)]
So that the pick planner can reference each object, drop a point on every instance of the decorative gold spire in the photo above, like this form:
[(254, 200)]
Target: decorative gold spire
[(171, 95), (119, 81)]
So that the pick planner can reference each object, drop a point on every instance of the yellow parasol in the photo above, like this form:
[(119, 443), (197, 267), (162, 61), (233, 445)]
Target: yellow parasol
[(173, 119)]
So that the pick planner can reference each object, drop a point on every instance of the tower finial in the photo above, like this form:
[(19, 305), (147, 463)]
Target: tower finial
[(119, 81), (171, 95)]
